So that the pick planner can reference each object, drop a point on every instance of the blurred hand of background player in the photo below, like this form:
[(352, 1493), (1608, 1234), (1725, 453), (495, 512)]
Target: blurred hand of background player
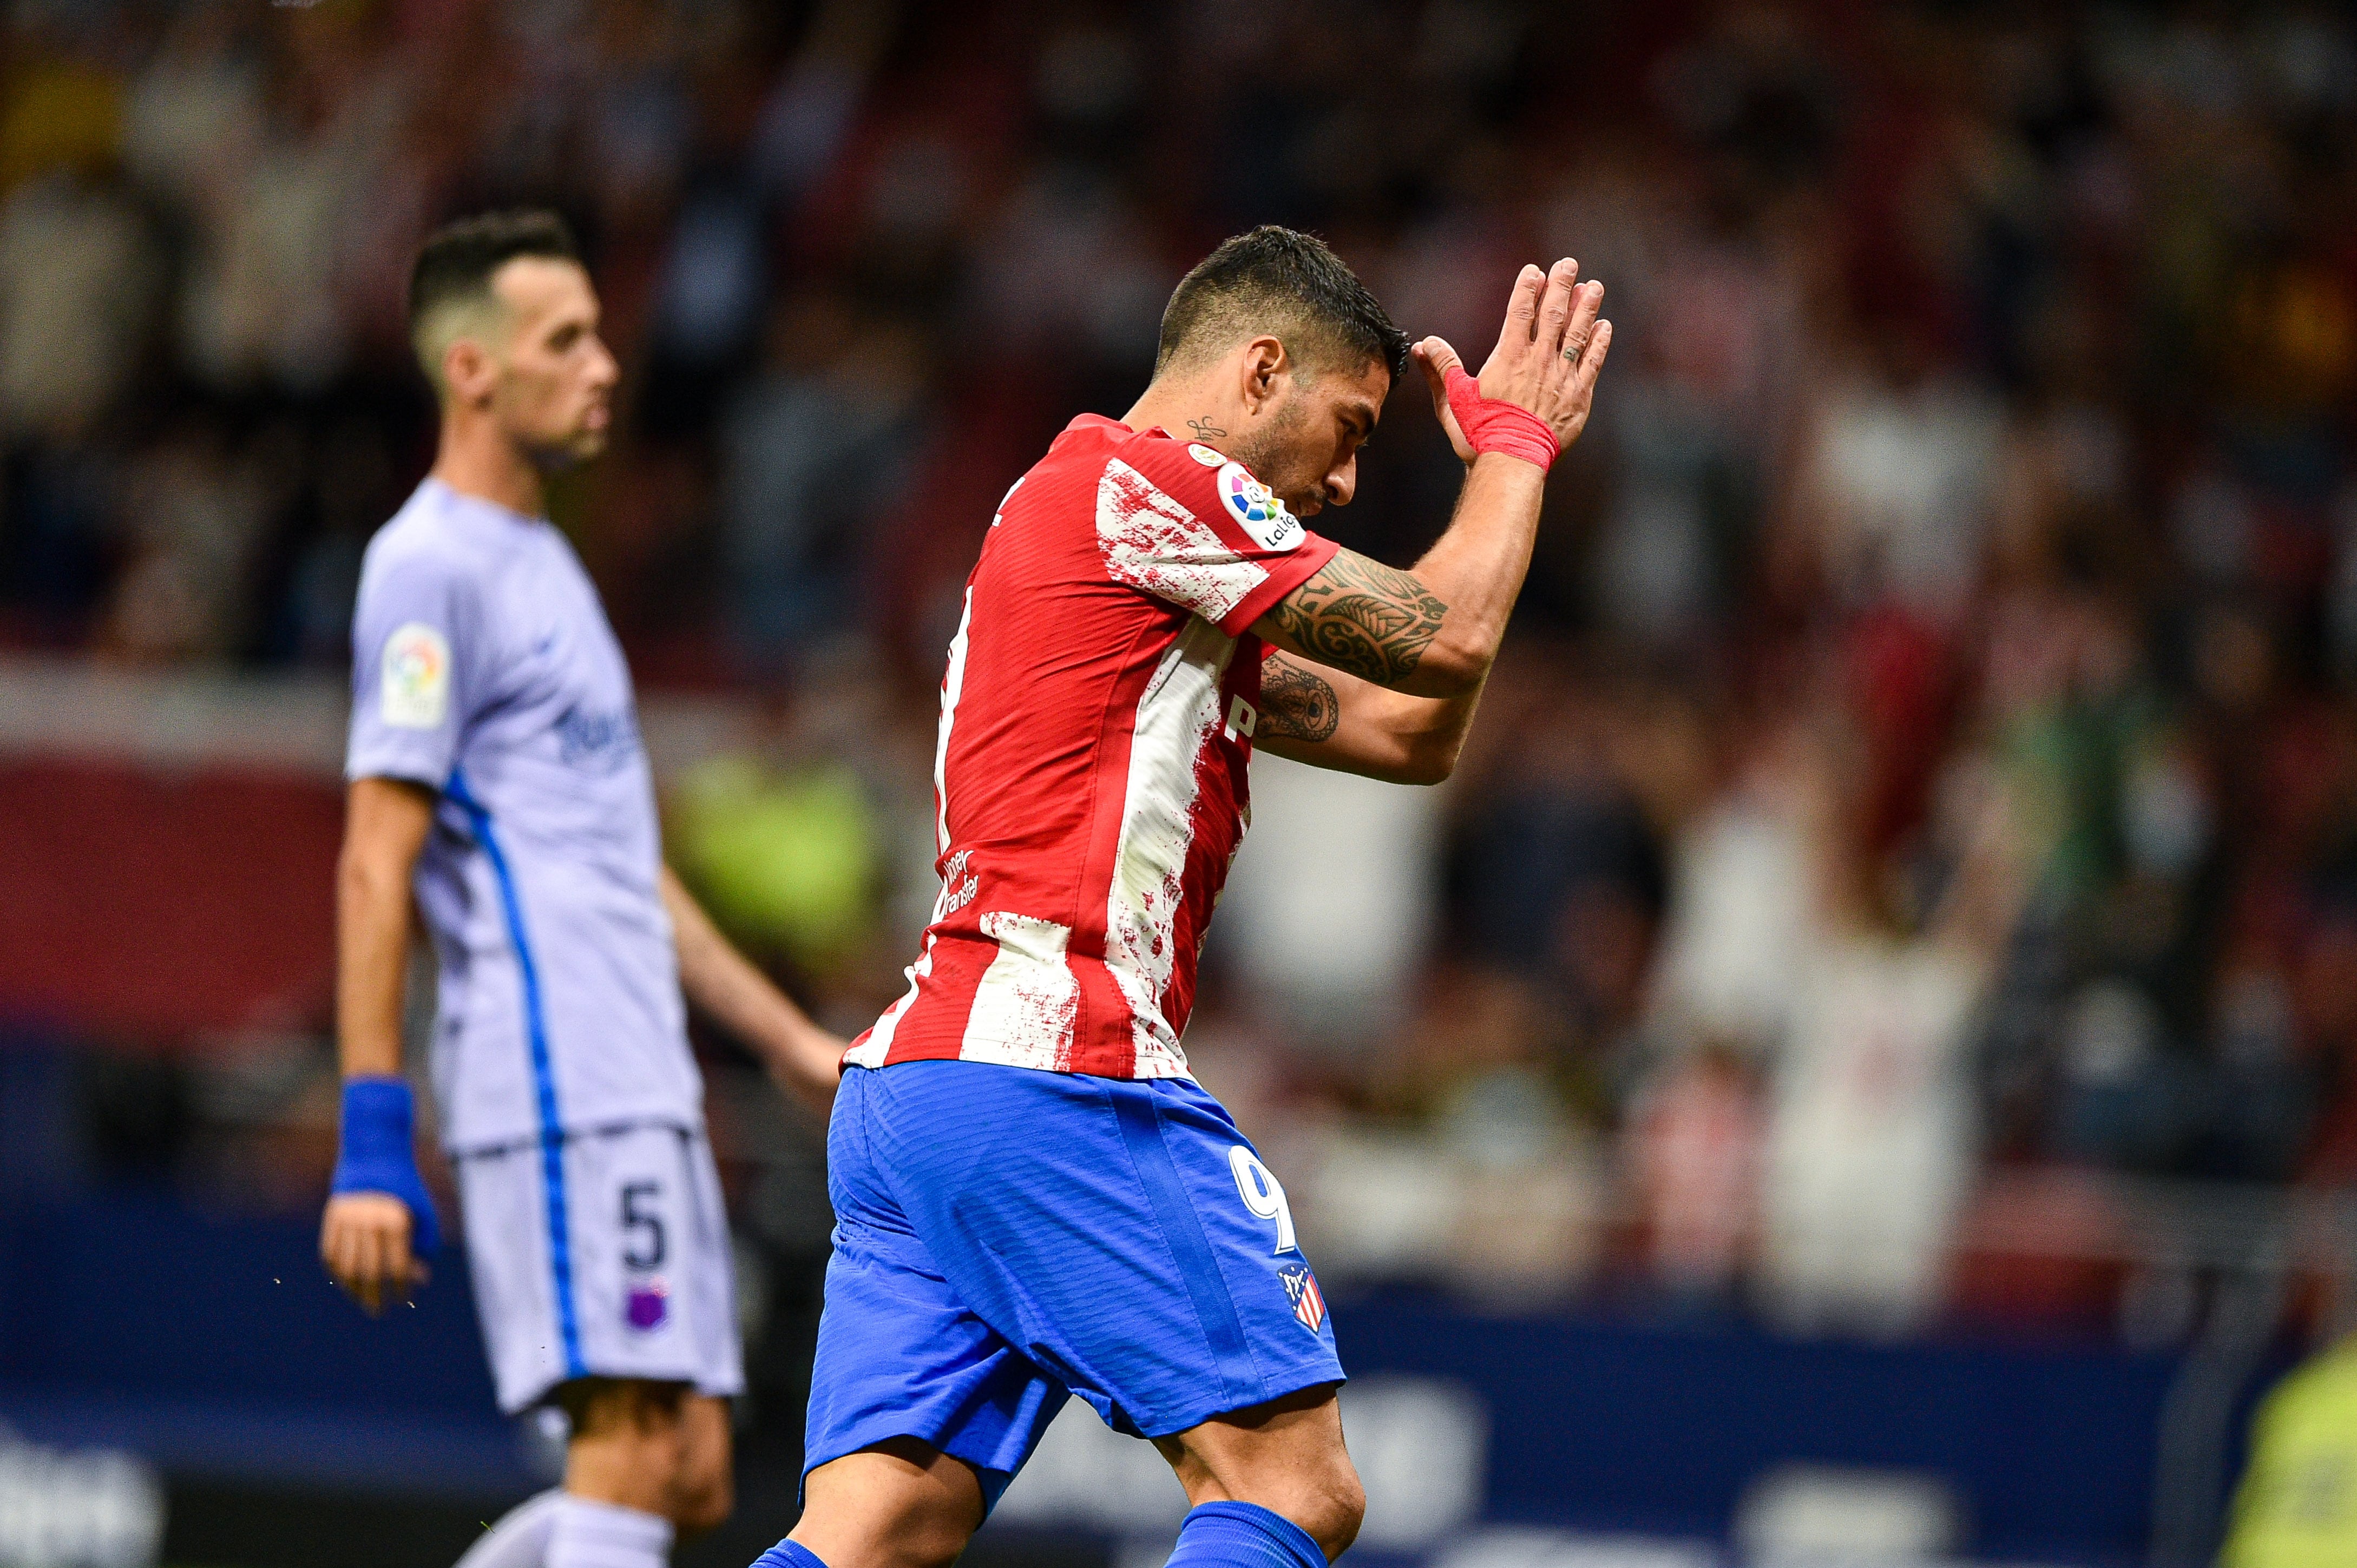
[(364, 1238), (1549, 351)]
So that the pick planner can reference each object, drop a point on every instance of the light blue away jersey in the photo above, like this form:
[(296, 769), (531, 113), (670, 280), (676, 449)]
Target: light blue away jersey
[(483, 667)]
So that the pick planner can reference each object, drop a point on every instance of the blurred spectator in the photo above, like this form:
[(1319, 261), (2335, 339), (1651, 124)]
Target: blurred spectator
[(1326, 915), (795, 841), (816, 447), (1695, 1162), (1872, 1128), (77, 269), (2297, 1505), (1895, 485)]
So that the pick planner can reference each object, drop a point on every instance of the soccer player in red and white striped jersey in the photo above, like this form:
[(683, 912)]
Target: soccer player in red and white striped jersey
[(1033, 1197), (1098, 714)]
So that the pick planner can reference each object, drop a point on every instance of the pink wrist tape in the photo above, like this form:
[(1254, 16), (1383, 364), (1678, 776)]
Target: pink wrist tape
[(1490, 425)]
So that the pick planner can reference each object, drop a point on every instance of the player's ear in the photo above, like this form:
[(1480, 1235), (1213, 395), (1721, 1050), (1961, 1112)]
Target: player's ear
[(1263, 365), (466, 371)]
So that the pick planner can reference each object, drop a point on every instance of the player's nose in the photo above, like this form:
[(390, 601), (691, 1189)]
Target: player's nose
[(1343, 482)]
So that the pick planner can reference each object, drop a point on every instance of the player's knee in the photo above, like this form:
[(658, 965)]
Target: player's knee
[(703, 1492), (933, 1543), (895, 1504), (704, 1488), (908, 1539), (703, 1500), (930, 1534)]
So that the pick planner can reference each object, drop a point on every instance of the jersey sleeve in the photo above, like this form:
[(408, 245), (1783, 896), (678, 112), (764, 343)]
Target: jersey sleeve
[(413, 633), (1184, 523)]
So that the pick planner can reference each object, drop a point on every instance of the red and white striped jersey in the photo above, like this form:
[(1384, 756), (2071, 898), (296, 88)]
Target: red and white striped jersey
[(1089, 780)]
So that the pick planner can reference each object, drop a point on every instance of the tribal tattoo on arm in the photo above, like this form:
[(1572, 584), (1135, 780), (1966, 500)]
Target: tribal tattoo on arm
[(1362, 616), (1294, 703)]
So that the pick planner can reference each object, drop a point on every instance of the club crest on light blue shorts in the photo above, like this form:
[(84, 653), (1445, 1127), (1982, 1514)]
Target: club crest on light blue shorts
[(1005, 1237)]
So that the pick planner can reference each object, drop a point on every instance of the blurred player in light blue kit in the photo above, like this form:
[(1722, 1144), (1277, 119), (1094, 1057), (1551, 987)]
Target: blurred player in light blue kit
[(498, 786)]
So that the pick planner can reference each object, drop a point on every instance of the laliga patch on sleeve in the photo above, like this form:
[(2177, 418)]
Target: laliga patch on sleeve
[(415, 692), (1255, 506), (1205, 456)]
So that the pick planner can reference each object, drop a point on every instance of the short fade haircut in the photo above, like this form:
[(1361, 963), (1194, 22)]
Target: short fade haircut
[(1288, 285), (458, 261)]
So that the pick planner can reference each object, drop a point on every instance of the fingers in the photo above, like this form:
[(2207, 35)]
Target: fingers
[(339, 1248), (1437, 359), (1578, 390), (1554, 314), (1579, 322), (333, 1249), (1434, 357), (400, 1267), (1599, 344), (365, 1246), (1522, 312), (367, 1281), (1555, 309)]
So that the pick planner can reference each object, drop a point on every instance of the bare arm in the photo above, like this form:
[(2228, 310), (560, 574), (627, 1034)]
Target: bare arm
[(364, 1237), (722, 983), (1434, 631), (385, 824), (1318, 715)]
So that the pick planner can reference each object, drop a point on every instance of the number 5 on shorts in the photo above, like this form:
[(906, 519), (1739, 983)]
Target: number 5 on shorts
[(1262, 1194), (645, 1248)]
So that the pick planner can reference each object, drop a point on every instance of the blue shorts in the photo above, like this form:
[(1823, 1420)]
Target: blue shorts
[(1005, 1237)]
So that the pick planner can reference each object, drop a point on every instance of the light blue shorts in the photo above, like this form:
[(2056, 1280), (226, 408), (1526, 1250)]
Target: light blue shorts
[(621, 1269)]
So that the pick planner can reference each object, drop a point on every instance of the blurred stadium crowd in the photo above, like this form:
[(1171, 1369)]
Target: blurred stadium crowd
[(1925, 771)]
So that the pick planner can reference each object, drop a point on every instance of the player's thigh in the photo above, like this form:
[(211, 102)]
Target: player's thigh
[(1121, 1236), (1287, 1456), (902, 1354), (900, 1503)]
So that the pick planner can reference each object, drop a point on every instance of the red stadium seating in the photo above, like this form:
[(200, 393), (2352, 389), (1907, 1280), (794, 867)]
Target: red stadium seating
[(165, 907)]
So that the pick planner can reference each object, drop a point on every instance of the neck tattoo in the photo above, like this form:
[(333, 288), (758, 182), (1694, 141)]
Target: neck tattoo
[(1205, 430)]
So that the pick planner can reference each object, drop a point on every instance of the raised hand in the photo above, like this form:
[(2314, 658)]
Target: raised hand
[(1549, 351)]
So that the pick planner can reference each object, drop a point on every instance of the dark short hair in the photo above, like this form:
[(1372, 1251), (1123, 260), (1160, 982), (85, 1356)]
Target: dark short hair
[(1274, 280), (459, 260)]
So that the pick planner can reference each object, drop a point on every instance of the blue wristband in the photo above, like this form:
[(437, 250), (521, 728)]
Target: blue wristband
[(377, 1155)]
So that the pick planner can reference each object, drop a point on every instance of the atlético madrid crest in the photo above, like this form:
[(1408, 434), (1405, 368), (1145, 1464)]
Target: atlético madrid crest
[(1301, 1289)]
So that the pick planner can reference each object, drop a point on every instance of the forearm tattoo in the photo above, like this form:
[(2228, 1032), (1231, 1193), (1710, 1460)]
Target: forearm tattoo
[(1294, 703), (1362, 616)]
